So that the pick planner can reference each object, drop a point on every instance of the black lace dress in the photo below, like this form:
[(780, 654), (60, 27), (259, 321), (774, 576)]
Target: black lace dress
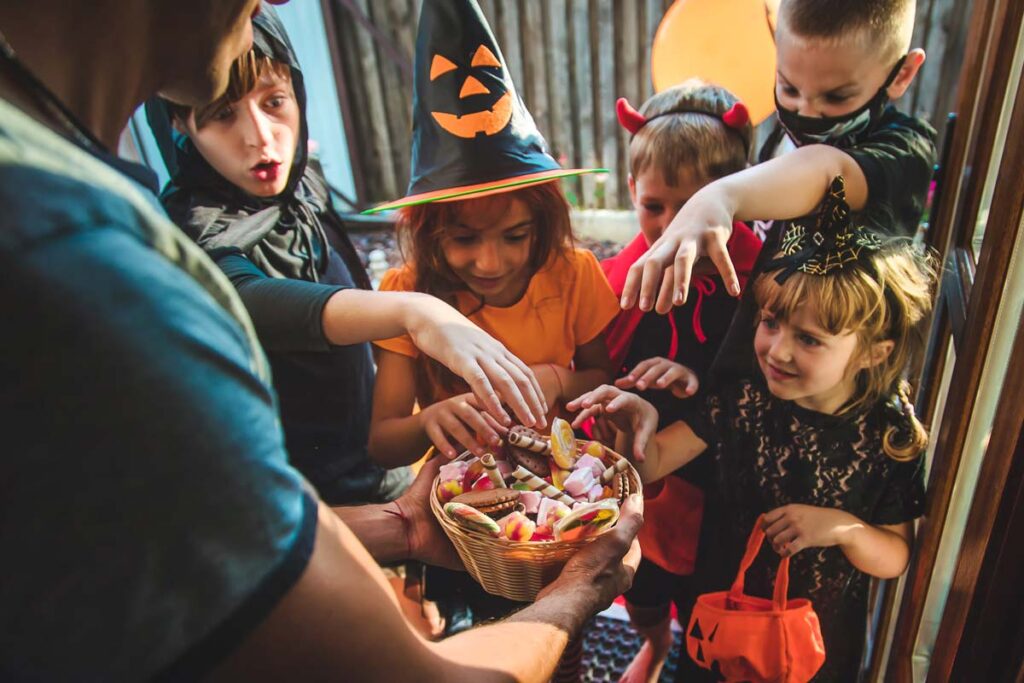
[(770, 453)]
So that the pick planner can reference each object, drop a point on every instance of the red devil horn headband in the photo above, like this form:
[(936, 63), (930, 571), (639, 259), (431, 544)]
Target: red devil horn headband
[(630, 118), (737, 117)]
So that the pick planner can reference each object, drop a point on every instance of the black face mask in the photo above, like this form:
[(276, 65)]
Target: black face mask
[(810, 130)]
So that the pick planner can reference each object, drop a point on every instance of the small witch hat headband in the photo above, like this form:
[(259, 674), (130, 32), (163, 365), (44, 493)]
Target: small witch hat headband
[(825, 243)]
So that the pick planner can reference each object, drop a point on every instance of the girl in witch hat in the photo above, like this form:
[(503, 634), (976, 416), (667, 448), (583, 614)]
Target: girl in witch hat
[(681, 139), (485, 226), (822, 440)]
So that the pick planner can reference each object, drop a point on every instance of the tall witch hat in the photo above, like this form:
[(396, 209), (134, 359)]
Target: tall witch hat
[(472, 135)]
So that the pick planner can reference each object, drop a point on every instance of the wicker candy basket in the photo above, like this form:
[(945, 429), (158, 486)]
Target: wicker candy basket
[(517, 571)]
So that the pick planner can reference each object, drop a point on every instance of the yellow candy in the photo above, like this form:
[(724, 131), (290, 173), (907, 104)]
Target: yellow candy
[(517, 527), (558, 477), (595, 449), (563, 444)]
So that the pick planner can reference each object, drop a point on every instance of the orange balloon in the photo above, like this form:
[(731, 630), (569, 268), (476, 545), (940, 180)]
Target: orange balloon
[(725, 42)]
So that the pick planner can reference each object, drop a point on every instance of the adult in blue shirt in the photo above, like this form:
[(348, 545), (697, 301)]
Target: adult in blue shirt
[(151, 522)]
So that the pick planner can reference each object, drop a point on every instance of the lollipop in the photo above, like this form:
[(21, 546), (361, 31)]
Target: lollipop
[(588, 519), (563, 444)]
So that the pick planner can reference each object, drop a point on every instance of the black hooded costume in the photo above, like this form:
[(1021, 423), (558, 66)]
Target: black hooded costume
[(286, 255)]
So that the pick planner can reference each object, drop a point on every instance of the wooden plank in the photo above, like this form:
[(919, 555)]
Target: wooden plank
[(653, 14), (392, 18), (627, 84), (556, 45), (535, 85), (583, 99), (602, 42), (509, 36), (343, 87), (490, 13), (380, 155)]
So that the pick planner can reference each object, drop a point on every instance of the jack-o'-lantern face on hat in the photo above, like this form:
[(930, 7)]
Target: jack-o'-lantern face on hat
[(472, 135), (481, 109)]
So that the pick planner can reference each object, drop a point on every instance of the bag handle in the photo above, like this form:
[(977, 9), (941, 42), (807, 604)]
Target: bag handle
[(754, 543)]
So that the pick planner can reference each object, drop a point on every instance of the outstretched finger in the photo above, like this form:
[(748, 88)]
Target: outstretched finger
[(527, 382), (601, 394), (509, 391), (474, 419), (683, 269), (480, 384), (718, 252), (592, 411), (458, 431), (437, 437)]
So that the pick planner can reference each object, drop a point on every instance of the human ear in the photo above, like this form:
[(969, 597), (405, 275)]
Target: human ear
[(880, 351), (911, 65)]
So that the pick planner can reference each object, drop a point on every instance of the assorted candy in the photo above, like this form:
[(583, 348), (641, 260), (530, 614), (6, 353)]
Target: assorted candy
[(535, 489)]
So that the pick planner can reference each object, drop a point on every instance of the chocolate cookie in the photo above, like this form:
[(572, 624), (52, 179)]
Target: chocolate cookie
[(492, 502)]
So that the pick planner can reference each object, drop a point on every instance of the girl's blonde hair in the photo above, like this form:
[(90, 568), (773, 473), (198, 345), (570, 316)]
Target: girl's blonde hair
[(685, 130), (420, 231), (889, 304)]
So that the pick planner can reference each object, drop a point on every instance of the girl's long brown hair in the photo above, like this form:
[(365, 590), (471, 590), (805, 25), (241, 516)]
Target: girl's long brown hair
[(421, 230)]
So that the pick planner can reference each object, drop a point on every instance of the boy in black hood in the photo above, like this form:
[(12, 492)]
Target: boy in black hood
[(243, 188)]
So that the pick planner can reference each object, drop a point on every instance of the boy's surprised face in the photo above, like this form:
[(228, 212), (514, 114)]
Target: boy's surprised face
[(818, 77), (657, 202), (251, 142)]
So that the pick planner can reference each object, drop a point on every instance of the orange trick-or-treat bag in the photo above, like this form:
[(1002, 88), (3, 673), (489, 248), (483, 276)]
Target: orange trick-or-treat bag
[(745, 638)]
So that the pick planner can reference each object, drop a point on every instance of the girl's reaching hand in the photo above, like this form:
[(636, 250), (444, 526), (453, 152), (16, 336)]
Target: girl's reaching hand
[(625, 411), (661, 373), (461, 418), (791, 528), (494, 375)]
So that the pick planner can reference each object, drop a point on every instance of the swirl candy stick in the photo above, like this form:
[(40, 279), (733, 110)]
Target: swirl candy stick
[(528, 440), (491, 468), (535, 483), (472, 519), (619, 467), (563, 444)]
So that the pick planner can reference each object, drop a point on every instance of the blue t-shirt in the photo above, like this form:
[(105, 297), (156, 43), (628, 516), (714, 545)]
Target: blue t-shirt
[(148, 517)]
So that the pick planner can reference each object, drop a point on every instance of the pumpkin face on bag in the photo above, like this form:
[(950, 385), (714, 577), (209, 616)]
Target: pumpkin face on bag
[(494, 110)]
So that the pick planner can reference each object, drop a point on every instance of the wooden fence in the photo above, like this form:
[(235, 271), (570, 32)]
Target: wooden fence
[(570, 60)]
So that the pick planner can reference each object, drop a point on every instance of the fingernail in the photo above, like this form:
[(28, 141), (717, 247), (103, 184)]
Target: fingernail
[(735, 289), (678, 298), (624, 303), (645, 303)]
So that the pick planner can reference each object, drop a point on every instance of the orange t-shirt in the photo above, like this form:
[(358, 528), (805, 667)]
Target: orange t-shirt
[(567, 304)]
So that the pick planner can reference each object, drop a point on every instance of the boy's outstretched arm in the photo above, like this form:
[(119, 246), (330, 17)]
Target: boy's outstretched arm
[(882, 550), (789, 186)]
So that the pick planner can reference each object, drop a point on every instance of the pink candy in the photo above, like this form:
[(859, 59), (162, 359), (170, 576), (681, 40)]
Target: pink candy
[(595, 492), (589, 461), (579, 482), (482, 483), (447, 490), (517, 527), (531, 501)]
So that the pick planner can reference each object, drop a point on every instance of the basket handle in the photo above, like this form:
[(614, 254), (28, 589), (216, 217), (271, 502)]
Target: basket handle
[(754, 543)]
